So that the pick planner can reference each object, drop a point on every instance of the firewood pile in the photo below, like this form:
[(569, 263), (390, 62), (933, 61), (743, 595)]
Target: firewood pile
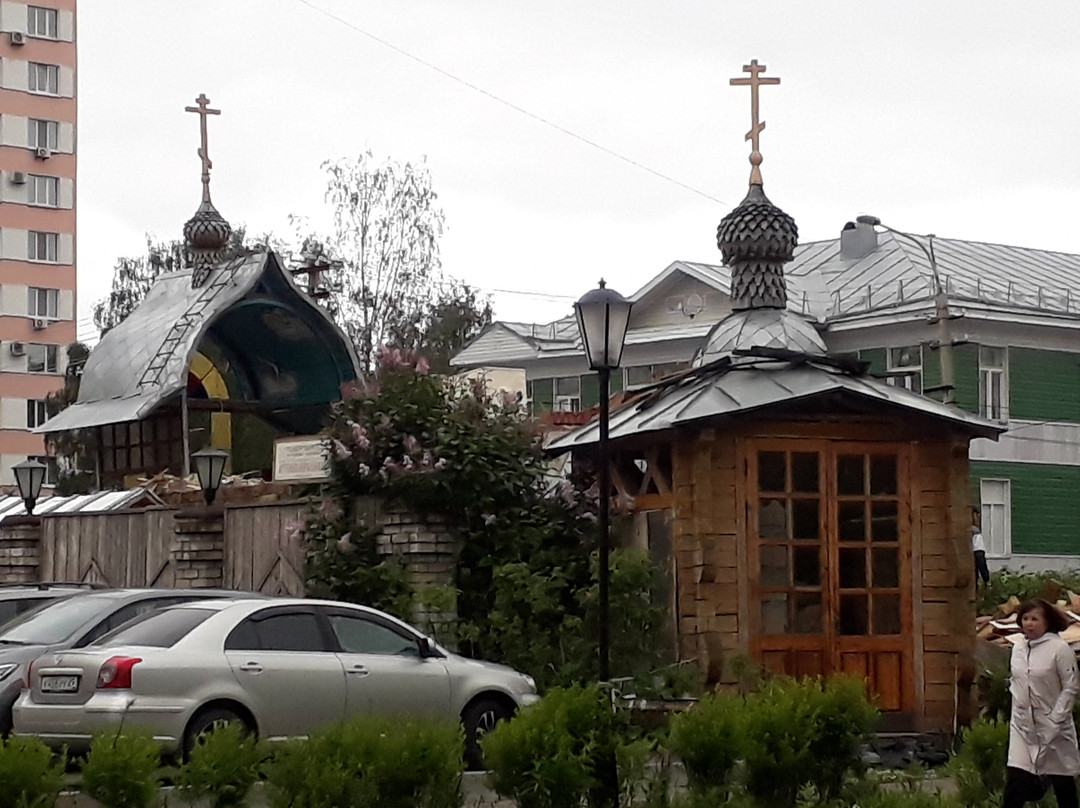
[(170, 489), (1002, 628)]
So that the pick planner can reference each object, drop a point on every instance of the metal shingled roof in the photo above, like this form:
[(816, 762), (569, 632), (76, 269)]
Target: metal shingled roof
[(749, 385)]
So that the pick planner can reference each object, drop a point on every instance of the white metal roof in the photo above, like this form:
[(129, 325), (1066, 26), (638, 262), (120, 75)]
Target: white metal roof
[(12, 504)]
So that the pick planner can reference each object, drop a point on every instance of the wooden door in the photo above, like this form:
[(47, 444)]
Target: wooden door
[(829, 562)]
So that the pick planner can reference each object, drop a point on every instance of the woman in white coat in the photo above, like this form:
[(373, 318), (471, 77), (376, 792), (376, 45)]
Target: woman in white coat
[(1042, 736)]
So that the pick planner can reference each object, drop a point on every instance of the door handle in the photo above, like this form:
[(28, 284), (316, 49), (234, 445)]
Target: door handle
[(358, 670), (251, 667)]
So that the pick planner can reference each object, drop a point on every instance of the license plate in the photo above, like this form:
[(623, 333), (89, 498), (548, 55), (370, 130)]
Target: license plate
[(59, 684)]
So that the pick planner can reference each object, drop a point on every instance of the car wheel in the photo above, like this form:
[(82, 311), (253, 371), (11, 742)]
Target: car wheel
[(6, 718), (479, 718), (207, 721)]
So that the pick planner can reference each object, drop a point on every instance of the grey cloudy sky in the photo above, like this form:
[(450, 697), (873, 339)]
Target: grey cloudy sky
[(958, 117)]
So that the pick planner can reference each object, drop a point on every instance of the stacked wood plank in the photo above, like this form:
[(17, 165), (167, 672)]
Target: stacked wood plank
[(1003, 628)]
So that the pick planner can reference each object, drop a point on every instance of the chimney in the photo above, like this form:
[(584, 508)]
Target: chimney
[(857, 240)]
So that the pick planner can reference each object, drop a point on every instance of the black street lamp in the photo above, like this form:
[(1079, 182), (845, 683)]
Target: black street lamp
[(209, 468), (30, 476), (603, 316)]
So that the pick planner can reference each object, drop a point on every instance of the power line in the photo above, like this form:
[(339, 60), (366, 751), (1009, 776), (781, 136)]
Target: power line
[(519, 109)]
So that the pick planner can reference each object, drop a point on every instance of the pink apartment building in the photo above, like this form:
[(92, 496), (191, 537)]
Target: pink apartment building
[(37, 217)]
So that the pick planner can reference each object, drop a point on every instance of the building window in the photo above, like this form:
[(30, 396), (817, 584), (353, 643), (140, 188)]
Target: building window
[(42, 22), (43, 190), (43, 134), (993, 383), (568, 394), (43, 246), (996, 498), (44, 78), (43, 302), (904, 367), (52, 473), (42, 358), (36, 413), (647, 374)]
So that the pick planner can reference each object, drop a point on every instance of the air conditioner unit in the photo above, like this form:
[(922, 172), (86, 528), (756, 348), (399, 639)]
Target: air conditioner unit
[(16, 348), (40, 323), (18, 177), (42, 153), (17, 37)]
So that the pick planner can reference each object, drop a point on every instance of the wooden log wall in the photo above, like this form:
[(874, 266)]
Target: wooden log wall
[(705, 542), (944, 583)]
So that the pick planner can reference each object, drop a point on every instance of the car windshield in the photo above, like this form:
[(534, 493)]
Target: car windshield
[(57, 621), (157, 629)]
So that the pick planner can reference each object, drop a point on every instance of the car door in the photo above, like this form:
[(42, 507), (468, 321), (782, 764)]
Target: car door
[(285, 661), (384, 672)]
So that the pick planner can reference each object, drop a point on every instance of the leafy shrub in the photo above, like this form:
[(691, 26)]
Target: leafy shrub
[(121, 771), (222, 767), (979, 767), (29, 778), (804, 733), (708, 739), (560, 751), (371, 763)]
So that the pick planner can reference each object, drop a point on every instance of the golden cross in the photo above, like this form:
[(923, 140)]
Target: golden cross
[(202, 110), (756, 80)]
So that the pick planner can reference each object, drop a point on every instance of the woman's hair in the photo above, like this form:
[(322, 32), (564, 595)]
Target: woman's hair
[(1054, 620)]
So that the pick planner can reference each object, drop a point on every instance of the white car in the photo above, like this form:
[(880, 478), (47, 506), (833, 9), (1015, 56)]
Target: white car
[(282, 667)]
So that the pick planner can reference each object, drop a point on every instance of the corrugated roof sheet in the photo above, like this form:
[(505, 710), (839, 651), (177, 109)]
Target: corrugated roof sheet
[(748, 385), (12, 505)]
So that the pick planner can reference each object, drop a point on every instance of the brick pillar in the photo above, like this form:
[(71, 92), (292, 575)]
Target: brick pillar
[(427, 550), (20, 550), (198, 550)]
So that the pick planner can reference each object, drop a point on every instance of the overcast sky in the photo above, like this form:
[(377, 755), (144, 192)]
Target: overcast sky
[(958, 117)]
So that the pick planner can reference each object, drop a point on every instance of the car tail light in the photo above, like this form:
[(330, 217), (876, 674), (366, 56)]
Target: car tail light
[(116, 672)]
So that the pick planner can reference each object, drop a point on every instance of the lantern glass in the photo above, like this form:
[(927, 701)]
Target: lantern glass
[(603, 316), (30, 477), (209, 468)]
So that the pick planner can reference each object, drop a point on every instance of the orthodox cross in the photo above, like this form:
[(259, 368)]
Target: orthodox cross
[(202, 110), (756, 80)]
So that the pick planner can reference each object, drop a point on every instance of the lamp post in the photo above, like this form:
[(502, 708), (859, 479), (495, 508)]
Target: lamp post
[(603, 316), (29, 477), (209, 467), (941, 302)]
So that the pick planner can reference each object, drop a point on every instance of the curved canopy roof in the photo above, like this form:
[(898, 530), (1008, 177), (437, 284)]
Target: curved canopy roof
[(285, 353)]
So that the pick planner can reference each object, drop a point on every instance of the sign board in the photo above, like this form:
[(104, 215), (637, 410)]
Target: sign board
[(301, 459)]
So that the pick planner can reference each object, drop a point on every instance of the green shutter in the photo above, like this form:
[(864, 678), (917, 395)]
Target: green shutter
[(876, 358), (590, 390), (543, 395), (1044, 385), (966, 376)]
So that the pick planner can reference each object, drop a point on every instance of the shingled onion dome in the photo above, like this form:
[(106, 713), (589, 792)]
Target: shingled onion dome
[(756, 240), (205, 234)]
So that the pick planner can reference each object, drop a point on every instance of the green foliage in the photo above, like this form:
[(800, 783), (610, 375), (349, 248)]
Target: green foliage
[(555, 753), (29, 777), (1024, 585), (375, 762), (709, 739), (121, 771), (222, 767), (979, 767), (804, 733), (525, 587)]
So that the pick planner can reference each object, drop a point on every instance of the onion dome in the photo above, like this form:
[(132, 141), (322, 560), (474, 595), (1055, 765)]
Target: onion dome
[(205, 236), (756, 240)]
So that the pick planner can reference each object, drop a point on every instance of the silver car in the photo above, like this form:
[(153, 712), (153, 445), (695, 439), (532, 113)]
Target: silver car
[(283, 668)]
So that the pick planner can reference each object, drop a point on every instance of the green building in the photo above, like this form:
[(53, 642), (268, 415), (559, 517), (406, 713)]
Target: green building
[(993, 328)]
